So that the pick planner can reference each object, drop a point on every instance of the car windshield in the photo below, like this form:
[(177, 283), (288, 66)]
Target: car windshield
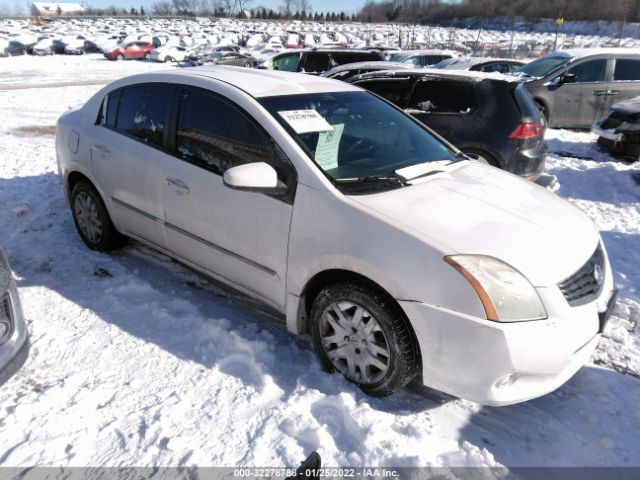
[(355, 135), (543, 66)]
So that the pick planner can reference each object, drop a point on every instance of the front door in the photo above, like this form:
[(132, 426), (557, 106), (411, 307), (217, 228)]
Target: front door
[(581, 103), (241, 237)]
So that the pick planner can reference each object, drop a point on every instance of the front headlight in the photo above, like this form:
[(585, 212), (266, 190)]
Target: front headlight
[(506, 295)]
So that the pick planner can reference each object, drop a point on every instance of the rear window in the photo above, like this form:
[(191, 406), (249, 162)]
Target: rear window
[(443, 96), (394, 90), (627, 69), (526, 105)]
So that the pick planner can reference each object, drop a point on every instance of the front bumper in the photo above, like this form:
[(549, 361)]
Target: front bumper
[(495, 363), (625, 146)]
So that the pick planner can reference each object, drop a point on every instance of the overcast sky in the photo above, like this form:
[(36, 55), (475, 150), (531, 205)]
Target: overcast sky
[(350, 6)]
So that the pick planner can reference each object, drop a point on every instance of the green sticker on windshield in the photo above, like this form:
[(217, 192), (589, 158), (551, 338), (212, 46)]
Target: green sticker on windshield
[(328, 145)]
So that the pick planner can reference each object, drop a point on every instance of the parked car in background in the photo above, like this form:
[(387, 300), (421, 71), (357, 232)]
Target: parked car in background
[(422, 58), (14, 339), (131, 51), (348, 70), (170, 53), (396, 253), (479, 64), (80, 47), (318, 60), (12, 48), (494, 119), (230, 58), (619, 132), (574, 88)]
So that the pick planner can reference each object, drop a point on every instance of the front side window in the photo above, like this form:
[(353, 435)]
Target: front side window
[(627, 69), (443, 96), (288, 63), (143, 112), (355, 134), (589, 71), (413, 60), (215, 135), (495, 67)]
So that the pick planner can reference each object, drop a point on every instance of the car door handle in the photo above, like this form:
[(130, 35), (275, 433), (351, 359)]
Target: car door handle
[(101, 151), (177, 186), (601, 93)]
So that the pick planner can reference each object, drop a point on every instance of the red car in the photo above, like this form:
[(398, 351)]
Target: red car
[(131, 50)]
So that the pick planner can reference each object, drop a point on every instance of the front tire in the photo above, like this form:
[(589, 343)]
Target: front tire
[(92, 219), (360, 332), (119, 57), (147, 56)]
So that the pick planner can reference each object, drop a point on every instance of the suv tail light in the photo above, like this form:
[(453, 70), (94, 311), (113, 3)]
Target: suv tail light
[(527, 130)]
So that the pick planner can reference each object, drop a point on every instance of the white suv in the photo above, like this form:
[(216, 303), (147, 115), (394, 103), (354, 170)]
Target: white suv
[(396, 253)]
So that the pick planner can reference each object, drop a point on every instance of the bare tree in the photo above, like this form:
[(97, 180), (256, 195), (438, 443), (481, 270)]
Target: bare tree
[(162, 8), (305, 6), (286, 7)]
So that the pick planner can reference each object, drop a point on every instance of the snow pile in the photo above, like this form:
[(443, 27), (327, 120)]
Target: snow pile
[(138, 361)]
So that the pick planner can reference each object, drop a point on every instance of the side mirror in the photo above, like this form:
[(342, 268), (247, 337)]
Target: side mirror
[(254, 177), (568, 78)]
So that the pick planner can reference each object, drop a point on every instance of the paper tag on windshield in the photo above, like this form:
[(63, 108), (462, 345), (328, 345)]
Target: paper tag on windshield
[(326, 155), (305, 121)]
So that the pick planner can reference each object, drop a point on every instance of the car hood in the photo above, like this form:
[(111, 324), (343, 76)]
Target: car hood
[(476, 209)]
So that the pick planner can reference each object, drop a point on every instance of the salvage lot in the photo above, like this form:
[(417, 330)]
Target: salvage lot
[(137, 361)]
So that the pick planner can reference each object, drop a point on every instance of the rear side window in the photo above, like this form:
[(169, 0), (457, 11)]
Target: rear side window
[(143, 112), (215, 135), (589, 71), (393, 90), (317, 62), (627, 69), (443, 96), (495, 67), (432, 59), (340, 58)]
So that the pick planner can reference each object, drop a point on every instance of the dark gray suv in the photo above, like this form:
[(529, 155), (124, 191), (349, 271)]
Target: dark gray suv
[(574, 88)]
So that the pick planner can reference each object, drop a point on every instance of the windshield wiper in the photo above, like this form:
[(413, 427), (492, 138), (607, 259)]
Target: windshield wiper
[(370, 179)]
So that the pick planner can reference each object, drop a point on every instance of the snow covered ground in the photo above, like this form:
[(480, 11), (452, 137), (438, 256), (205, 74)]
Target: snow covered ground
[(136, 360)]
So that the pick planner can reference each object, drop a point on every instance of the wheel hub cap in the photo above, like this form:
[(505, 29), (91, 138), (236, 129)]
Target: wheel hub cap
[(354, 342), (87, 217)]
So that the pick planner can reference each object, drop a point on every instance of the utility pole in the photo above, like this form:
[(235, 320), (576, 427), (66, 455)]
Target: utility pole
[(559, 21), (624, 19)]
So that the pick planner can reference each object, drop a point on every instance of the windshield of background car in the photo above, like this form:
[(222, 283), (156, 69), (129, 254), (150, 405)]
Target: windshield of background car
[(543, 66), (355, 134)]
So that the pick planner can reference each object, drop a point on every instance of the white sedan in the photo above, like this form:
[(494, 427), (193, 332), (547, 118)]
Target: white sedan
[(398, 255)]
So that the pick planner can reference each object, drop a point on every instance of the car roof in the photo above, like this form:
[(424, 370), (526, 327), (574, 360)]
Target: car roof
[(462, 63), (257, 83), (585, 52), (437, 72), (380, 65), (411, 53)]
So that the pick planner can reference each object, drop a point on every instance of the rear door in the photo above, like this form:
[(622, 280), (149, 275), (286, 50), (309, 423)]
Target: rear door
[(581, 103), (240, 237), (128, 154), (626, 80)]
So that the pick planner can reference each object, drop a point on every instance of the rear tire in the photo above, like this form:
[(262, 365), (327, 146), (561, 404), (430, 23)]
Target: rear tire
[(147, 56), (247, 65), (92, 219), (358, 331)]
